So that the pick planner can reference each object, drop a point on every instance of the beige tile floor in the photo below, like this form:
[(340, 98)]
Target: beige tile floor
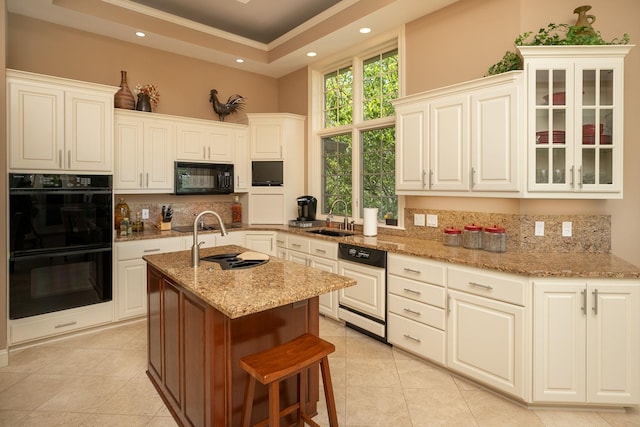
[(99, 380)]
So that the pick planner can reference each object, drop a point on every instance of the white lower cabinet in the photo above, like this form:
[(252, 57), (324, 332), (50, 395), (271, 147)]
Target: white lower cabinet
[(318, 254), (416, 306), (486, 329), (587, 342), (263, 241), (130, 280)]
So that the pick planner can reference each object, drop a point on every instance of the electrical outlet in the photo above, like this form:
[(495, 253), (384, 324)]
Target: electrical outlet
[(145, 213), (432, 220), (418, 220), (539, 229), (566, 229)]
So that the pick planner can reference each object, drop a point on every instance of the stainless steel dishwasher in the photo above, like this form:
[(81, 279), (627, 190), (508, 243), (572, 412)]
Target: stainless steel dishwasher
[(364, 306)]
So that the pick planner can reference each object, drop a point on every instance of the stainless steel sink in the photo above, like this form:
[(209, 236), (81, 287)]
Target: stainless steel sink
[(332, 233), (232, 262)]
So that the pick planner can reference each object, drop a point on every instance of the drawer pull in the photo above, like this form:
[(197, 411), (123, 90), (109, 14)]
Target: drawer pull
[(296, 245), (146, 251), (280, 242), (408, 310), (412, 338), (62, 325), (411, 291), (322, 251), (480, 285), (411, 270)]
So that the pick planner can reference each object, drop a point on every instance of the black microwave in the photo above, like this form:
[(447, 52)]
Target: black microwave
[(203, 178)]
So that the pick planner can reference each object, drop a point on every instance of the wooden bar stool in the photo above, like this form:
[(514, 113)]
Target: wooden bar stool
[(278, 363)]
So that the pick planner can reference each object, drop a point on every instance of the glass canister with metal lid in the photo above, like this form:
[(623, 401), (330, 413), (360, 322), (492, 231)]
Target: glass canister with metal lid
[(495, 239), (472, 236), (452, 236)]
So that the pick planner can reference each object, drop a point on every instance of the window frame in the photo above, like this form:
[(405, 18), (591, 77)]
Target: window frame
[(316, 74)]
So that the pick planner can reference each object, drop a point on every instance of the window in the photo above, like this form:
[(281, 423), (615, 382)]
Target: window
[(356, 135)]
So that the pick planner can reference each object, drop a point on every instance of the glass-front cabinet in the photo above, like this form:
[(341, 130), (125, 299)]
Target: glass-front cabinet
[(575, 110)]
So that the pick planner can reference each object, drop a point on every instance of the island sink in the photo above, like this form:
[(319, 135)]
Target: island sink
[(232, 262), (332, 233)]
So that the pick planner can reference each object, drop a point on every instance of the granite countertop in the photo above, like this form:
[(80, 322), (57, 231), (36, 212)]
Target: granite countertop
[(578, 265), (240, 292)]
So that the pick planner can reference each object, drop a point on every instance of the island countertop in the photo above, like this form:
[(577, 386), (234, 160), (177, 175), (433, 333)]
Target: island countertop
[(240, 292)]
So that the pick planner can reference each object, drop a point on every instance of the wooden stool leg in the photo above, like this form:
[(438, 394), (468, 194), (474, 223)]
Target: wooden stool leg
[(248, 401), (328, 392), (302, 400), (274, 404)]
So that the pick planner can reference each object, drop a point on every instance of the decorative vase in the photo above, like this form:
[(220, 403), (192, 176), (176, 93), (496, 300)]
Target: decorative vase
[(144, 103), (124, 98), (584, 21)]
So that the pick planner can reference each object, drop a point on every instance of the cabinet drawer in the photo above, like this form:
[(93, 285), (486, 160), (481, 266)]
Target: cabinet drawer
[(417, 311), (491, 285), (300, 244), (416, 269), (282, 240), (323, 249), (418, 291), (133, 250), (60, 322), (417, 338)]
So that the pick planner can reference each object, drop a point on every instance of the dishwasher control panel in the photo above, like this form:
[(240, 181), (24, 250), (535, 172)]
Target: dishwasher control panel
[(362, 255)]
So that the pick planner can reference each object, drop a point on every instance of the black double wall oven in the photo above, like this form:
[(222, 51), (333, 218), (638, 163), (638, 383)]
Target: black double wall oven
[(60, 242)]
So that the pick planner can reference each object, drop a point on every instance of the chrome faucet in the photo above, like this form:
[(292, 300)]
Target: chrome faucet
[(346, 216), (195, 248)]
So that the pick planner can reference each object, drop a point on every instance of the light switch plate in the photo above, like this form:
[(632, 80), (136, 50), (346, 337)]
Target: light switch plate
[(432, 220), (566, 229), (539, 228), (418, 220), (145, 213)]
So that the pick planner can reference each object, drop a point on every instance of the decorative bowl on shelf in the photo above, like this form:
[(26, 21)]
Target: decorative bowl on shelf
[(542, 137), (558, 98)]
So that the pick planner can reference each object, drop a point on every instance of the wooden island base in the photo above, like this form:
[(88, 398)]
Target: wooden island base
[(194, 352)]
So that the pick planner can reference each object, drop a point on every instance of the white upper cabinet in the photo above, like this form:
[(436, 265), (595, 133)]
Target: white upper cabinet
[(242, 164), (144, 152), (462, 139), (271, 135), (56, 124), (200, 140), (575, 120)]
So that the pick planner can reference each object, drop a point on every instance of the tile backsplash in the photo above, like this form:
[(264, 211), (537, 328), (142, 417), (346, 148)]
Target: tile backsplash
[(590, 233), (184, 207)]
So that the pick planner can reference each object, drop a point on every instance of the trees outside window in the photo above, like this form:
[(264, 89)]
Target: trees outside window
[(357, 134)]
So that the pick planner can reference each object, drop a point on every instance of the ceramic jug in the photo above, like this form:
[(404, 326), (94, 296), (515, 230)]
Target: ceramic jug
[(584, 21)]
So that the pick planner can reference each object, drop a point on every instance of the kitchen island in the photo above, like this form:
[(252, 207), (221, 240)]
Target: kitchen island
[(201, 321)]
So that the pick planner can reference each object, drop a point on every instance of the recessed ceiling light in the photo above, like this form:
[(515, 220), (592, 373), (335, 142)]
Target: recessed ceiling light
[(311, 54), (140, 34), (365, 30), (239, 60)]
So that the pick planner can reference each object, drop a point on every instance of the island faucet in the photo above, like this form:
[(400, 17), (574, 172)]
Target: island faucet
[(195, 248), (346, 216)]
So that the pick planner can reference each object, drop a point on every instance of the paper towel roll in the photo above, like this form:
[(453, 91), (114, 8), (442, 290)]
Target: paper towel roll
[(370, 226)]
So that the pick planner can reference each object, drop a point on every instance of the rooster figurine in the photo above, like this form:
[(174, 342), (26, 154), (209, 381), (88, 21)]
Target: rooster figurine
[(233, 104)]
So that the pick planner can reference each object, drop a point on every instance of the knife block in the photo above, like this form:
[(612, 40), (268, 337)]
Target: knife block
[(164, 226)]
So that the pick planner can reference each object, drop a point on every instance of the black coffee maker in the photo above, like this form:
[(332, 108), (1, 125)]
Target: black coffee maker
[(307, 208)]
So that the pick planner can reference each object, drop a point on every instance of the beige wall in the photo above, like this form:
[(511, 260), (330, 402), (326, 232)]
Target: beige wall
[(184, 83), (460, 42)]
